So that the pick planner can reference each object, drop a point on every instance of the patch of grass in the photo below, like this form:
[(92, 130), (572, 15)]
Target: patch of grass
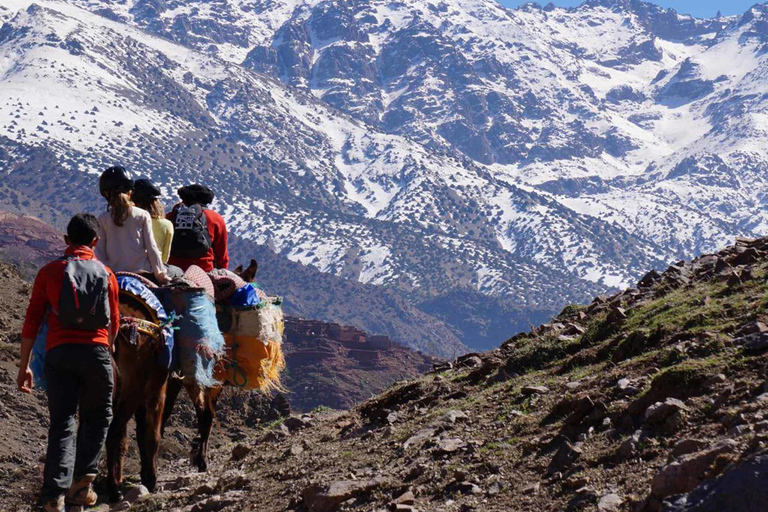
[(321, 409)]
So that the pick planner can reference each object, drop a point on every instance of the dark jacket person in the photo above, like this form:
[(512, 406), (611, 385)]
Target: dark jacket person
[(200, 234)]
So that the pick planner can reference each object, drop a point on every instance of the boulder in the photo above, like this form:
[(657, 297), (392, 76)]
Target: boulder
[(659, 412), (240, 451), (294, 423), (455, 417), (135, 493), (610, 503), (450, 445), (687, 446), (741, 489), (649, 279), (688, 472), (421, 435), (534, 390)]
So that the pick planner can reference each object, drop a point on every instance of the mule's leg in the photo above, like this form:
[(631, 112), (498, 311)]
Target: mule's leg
[(172, 392), (206, 424), (198, 398), (125, 406), (141, 435), (153, 428)]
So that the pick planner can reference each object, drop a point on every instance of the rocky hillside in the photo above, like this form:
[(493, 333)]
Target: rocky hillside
[(649, 400)]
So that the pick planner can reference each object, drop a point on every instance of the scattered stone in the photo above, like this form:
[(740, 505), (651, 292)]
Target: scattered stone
[(628, 448), (715, 380), (406, 498), (204, 490), (532, 489), (468, 488), (573, 385), (577, 481), (572, 329), (469, 361), (328, 498), (135, 493), (455, 416), (610, 503), (421, 435), (294, 451), (686, 446), (240, 451), (441, 367), (617, 315), (742, 489), (565, 457), (120, 506), (449, 445), (754, 327), (753, 342), (494, 489), (213, 504), (649, 279), (416, 472), (578, 408), (392, 418), (685, 474), (294, 423), (660, 411), (534, 390), (232, 481)]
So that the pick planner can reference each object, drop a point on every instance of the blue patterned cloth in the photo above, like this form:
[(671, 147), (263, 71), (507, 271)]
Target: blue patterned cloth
[(165, 357)]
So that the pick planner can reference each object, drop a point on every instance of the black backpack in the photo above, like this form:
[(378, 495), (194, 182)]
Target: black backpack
[(191, 239), (84, 298)]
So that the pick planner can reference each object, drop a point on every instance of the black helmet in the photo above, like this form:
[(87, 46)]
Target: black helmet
[(144, 190), (115, 179)]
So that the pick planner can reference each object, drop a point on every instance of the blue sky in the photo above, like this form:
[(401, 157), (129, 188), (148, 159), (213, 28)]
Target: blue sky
[(700, 8)]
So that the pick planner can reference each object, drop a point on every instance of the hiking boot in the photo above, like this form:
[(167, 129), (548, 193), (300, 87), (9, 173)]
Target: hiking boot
[(54, 505), (82, 493)]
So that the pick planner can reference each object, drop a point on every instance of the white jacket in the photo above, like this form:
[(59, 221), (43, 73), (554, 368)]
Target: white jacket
[(130, 247)]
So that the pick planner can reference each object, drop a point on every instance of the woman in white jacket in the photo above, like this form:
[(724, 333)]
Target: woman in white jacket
[(126, 242)]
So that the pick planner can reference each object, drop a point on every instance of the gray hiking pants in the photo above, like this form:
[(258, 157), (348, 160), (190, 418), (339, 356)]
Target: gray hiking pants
[(78, 376)]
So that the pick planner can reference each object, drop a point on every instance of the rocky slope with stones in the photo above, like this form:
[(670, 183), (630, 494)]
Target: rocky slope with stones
[(653, 399)]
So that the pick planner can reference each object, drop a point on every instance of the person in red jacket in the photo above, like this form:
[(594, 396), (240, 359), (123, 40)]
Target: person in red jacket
[(78, 298), (200, 234)]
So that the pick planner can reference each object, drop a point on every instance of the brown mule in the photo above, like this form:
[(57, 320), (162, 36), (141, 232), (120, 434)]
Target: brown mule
[(204, 399), (140, 388)]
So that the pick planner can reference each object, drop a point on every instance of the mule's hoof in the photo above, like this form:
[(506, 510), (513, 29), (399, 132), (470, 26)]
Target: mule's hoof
[(202, 467)]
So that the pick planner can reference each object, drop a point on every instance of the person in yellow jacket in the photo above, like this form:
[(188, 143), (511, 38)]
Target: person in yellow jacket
[(146, 195)]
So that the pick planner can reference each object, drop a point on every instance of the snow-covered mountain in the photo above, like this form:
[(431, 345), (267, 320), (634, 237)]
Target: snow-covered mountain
[(456, 152)]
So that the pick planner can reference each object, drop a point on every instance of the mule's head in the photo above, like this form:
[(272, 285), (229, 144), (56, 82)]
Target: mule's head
[(249, 273)]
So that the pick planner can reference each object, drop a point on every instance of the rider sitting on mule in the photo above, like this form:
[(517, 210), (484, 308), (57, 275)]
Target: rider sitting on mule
[(78, 297), (200, 234)]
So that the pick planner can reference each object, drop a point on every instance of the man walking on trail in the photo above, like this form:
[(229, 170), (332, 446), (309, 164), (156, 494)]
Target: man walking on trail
[(200, 234), (78, 298)]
